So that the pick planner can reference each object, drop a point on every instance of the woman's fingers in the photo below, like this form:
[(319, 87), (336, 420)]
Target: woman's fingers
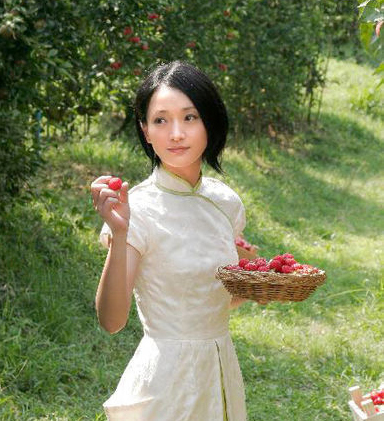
[(124, 193), (103, 179), (96, 187), (106, 194), (100, 182), (110, 202)]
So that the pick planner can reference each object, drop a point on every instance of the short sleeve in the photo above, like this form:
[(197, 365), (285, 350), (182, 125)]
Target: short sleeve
[(228, 201), (138, 232), (239, 220), (105, 235), (137, 235)]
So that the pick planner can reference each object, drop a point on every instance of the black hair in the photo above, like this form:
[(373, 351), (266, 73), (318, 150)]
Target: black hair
[(197, 86)]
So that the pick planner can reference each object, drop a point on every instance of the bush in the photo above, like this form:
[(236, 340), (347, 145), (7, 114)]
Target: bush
[(20, 154), (71, 59), (37, 49), (341, 22)]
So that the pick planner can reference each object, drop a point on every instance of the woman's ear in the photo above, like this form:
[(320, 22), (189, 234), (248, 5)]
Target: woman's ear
[(144, 128)]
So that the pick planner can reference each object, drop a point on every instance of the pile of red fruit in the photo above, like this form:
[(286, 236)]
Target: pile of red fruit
[(283, 263), (241, 242), (377, 398)]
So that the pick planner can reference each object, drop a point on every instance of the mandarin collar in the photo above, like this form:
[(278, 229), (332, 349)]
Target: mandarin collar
[(168, 181)]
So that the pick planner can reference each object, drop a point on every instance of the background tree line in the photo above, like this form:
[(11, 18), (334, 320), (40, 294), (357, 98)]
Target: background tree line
[(64, 62)]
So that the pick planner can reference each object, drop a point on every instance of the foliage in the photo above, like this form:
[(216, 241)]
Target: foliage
[(372, 32), (341, 22), (75, 59), (20, 155)]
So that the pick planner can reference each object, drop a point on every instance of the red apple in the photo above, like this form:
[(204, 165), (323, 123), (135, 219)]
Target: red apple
[(115, 183), (153, 16), (116, 65), (128, 30)]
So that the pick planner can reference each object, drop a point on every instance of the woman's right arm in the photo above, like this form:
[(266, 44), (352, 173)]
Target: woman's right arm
[(114, 293)]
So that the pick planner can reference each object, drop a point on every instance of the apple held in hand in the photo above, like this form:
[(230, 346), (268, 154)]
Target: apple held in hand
[(115, 183)]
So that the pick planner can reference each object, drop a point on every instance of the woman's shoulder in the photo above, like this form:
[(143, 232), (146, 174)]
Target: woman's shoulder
[(224, 196), (142, 196), (218, 188), (141, 188), (229, 201)]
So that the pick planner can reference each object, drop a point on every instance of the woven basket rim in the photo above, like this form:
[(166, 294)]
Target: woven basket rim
[(275, 277)]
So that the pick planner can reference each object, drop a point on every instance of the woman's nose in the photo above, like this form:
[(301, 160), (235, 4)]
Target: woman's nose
[(177, 132)]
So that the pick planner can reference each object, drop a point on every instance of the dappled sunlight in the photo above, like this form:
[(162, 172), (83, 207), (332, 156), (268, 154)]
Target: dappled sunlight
[(317, 194), (326, 354), (360, 96), (312, 340), (358, 182), (96, 155)]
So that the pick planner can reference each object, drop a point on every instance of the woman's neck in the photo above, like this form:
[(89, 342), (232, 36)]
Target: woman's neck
[(191, 174)]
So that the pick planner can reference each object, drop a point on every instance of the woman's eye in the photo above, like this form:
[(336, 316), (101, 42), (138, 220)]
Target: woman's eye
[(158, 120), (191, 117)]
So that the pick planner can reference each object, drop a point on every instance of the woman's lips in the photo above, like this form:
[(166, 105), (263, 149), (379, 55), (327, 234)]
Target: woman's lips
[(178, 150)]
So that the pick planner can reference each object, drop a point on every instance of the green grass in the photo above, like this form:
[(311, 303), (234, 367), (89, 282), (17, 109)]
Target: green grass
[(318, 195)]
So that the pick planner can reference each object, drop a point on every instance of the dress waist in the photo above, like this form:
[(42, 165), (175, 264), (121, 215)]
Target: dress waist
[(187, 338)]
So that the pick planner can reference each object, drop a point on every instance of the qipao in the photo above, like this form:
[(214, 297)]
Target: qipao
[(185, 367)]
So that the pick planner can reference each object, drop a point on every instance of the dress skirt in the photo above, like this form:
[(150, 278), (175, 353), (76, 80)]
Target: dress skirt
[(180, 380)]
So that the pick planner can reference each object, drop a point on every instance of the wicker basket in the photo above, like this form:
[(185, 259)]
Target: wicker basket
[(246, 254), (270, 286)]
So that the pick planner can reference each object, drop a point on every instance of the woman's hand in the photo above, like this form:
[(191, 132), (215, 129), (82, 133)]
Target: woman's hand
[(236, 302), (263, 302), (112, 206)]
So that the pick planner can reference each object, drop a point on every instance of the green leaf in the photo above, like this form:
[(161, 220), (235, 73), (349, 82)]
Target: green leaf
[(51, 62), (371, 11), (379, 69), (364, 3), (380, 83), (52, 53), (67, 65), (366, 32), (64, 72)]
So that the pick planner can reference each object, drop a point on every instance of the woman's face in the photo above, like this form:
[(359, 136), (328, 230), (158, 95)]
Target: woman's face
[(175, 129)]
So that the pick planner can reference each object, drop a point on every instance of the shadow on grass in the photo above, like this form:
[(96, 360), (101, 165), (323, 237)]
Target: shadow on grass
[(341, 141), (292, 190), (53, 353), (94, 157)]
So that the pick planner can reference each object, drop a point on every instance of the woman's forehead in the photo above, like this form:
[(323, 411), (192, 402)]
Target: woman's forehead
[(167, 99)]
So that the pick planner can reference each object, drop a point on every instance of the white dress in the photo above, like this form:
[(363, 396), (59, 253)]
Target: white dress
[(185, 368)]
